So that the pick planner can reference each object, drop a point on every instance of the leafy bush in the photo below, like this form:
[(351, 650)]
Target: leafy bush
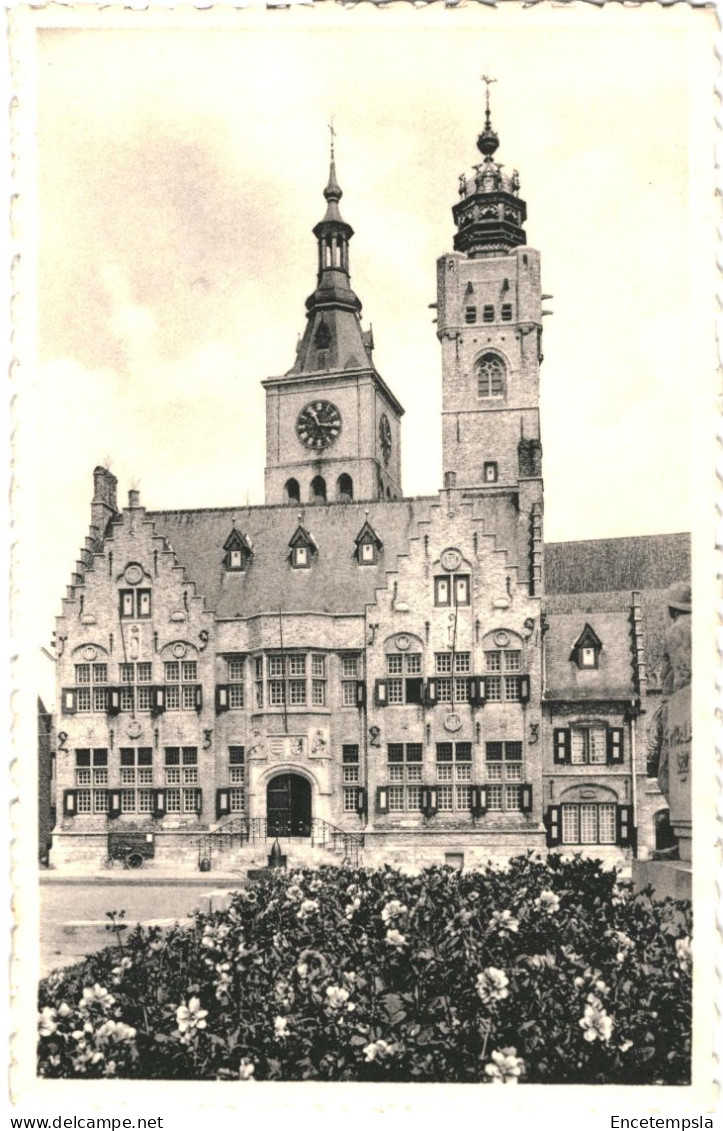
[(542, 970)]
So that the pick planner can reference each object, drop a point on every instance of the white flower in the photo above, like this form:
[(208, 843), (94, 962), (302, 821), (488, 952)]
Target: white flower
[(393, 910), (350, 908), (315, 885), (246, 1069), (115, 1031), (506, 1067), (336, 996), (395, 938), (294, 892), (378, 1050), (281, 1028), (504, 922), (46, 1021), (64, 1009), (302, 970), (624, 944), (308, 907), (547, 902), (626, 1045), (190, 1017), (492, 984), (99, 995), (597, 1024), (684, 954)]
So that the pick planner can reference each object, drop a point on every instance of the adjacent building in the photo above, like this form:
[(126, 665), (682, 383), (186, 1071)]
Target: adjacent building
[(412, 680)]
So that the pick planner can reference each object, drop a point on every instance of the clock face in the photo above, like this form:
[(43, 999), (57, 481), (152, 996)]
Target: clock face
[(318, 425), (385, 436)]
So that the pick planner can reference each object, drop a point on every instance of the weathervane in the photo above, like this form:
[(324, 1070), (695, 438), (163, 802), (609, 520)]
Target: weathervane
[(332, 133), (487, 80)]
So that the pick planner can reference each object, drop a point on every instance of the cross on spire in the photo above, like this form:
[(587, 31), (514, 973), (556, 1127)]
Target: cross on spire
[(332, 135)]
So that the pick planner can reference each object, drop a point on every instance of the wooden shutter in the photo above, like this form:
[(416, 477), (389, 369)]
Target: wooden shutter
[(70, 802), (615, 748), (477, 690), (198, 697), (524, 689), (114, 803), (361, 801), (159, 802), (479, 800), (221, 698), (430, 800), (430, 692), (562, 746), (382, 799), (113, 700), (414, 690), (625, 830), (158, 698), (69, 701), (380, 692), (361, 693), (526, 798), (223, 805), (198, 800), (553, 825)]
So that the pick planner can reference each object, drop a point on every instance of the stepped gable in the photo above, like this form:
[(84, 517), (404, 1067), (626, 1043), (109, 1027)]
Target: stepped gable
[(612, 679), (650, 562), (334, 583)]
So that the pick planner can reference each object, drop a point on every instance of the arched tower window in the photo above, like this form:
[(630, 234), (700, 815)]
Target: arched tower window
[(491, 376), (291, 490), (318, 489), (345, 488)]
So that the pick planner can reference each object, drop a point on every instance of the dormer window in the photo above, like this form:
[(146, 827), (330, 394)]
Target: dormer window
[(368, 546), (303, 548), (586, 649), (238, 551)]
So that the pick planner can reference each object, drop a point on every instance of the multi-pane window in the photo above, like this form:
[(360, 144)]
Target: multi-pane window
[(404, 678), (454, 776), (504, 766), (135, 602), (350, 776), (588, 746), (404, 765), (91, 695), (236, 777), (181, 767), (318, 680), (349, 677), (91, 769), (588, 823), (181, 677), (259, 681), (452, 687), (451, 589), (491, 376), (235, 674), (293, 679), (135, 686), (502, 681)]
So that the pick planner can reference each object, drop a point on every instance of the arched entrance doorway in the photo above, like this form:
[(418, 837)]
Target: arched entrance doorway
[(288, 806)]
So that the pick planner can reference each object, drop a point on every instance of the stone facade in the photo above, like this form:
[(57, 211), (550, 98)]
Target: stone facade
[(347, 669)]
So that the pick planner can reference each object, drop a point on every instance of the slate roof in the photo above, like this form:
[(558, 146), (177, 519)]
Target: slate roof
[(335, 582), (612, 679), (651, 562)]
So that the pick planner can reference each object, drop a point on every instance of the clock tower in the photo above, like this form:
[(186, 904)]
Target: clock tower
[(332, 423)]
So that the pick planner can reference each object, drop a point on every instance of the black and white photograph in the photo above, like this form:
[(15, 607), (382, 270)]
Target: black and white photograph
[(363, 498)]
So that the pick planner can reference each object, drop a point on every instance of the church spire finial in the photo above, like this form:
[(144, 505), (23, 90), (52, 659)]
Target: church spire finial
[(332, 192), (488, 141)]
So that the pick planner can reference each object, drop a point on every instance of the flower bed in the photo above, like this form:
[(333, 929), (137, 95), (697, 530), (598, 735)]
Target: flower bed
[(542, 971)]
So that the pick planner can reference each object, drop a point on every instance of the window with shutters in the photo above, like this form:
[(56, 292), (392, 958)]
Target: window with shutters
[(503, 770), (453, 687), (453, 774), (181, 679), (237, 779), (349, 677), (404, 678), (134, 603), (452, 589), (135, 691), (91, 694), (588, 823), (502, 684), (91, 767), (404, 770), (350, 764)]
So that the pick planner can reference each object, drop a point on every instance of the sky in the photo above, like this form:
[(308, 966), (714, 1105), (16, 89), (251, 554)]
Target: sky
[(175, 174)]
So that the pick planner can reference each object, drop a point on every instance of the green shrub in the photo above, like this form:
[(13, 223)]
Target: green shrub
[(542, 971)]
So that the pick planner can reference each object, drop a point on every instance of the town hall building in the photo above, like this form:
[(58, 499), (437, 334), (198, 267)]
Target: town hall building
[(356, 672)]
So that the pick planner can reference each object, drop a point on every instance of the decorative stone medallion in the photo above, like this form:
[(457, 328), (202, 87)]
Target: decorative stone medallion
[(133, 573), (134, 729), (89, 652), (451, 559), (179, 650), (452, 722), (403, 642), (501, 639)]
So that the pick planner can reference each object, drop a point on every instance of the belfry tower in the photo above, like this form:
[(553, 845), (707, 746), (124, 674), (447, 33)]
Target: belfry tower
[(490, 326), (332, 423)]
